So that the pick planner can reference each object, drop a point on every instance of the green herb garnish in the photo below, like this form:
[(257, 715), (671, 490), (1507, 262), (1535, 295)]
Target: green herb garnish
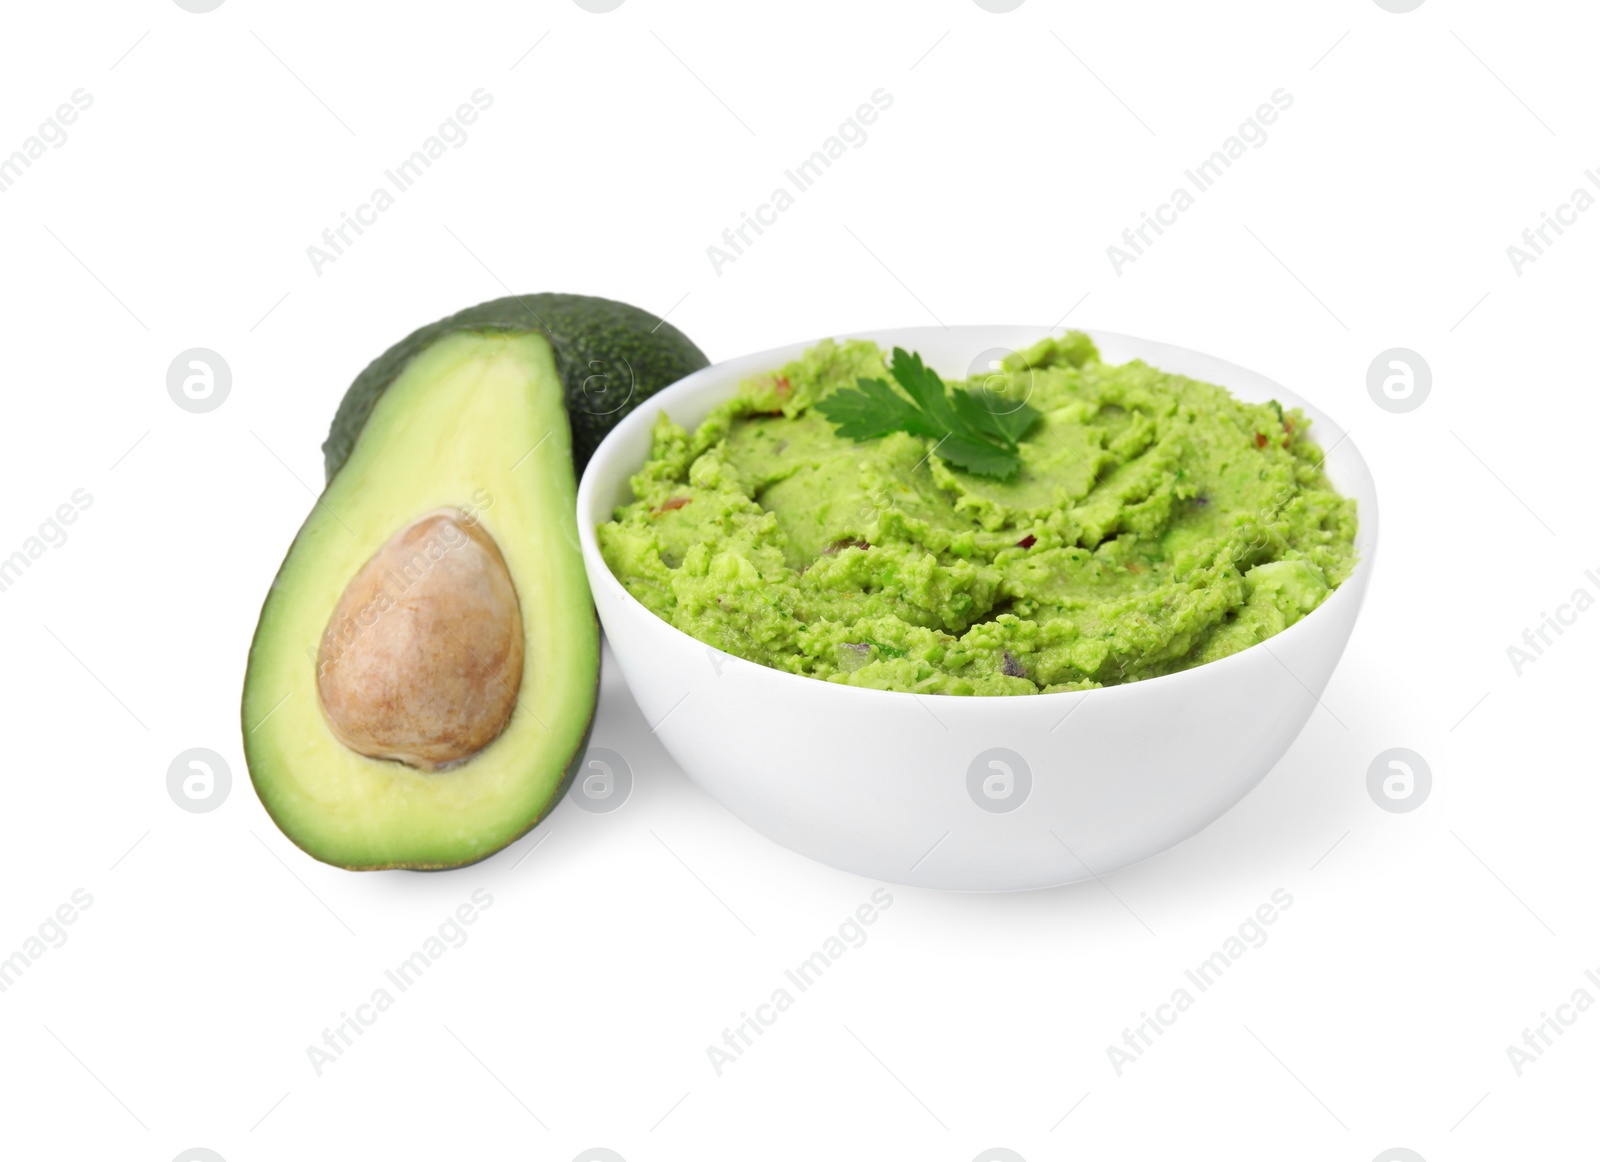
[(976, 430)]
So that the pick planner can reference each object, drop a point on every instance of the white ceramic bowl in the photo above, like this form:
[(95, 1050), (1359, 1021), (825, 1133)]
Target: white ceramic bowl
[(907, 788)]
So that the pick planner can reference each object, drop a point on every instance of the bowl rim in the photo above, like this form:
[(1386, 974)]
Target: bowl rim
[(1361, 487)]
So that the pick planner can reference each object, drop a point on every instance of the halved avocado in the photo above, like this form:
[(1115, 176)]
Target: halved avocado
[(423, 675)]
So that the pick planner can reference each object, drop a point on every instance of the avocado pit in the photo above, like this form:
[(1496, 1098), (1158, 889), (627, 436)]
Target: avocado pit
[(422, 659)]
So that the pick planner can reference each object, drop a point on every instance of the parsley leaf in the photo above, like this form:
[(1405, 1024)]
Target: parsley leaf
[(873, 409), (1012, 420), (924, 387), (994, 415), (976, 431), (979, 457)]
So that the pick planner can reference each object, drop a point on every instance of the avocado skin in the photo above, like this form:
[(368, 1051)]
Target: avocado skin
[(611, 357)]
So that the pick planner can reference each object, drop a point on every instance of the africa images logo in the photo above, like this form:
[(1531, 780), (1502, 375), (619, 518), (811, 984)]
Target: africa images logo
[(999, 780)]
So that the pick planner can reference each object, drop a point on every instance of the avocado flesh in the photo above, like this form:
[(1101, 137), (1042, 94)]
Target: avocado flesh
[(474, 419), (611, 357)]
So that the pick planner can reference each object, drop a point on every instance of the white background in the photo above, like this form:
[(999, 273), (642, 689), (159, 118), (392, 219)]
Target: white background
[(177, 214)]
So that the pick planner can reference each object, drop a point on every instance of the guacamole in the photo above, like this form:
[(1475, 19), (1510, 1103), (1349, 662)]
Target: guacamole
[(1155, 523)]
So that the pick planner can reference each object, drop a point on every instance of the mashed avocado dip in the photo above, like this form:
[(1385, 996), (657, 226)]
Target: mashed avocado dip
[(1155, 523)]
